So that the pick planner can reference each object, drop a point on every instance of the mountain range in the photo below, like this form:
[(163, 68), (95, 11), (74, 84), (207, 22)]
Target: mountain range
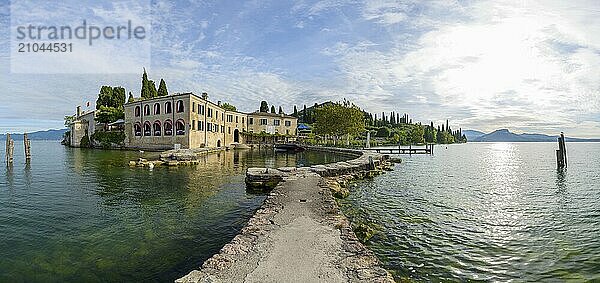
[(504, 135), (39, 135)]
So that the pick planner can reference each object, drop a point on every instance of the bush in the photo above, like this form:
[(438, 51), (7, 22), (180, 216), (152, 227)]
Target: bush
[(108, 139), (85, 141)]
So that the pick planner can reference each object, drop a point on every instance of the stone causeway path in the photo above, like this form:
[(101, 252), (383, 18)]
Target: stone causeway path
[(298, 235)]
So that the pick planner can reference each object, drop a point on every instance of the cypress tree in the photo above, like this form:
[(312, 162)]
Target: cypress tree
[(152, 89), (264, 106), (162, 88), (273, 109), (295, 112), (280, 110), (304, 115), (145, 93)]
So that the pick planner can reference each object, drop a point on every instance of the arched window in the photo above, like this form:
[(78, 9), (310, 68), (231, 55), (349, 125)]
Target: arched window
[(180, 127), (156, 128), (137, 129), (179, 106), (156, 108), (168, 128), (168, 107), (146, 110), (147, 129), (137, 111)]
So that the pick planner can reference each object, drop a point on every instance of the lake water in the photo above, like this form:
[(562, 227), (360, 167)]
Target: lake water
[(486, 211), (82, 215)]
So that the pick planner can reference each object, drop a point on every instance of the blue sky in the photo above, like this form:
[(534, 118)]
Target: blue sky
[(531, 66)]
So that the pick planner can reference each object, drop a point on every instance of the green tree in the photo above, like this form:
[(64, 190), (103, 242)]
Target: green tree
[(162, 88), (416, 135), (105, 97), (228, 107), (152, 89), (118, 97), (109, 104), (280, 110), (383, 132), (304, 115), (273, 109), (69, 119), (145, 93), (130, 99), (338, 119), (264, 106), (295, 112), (106, 114)]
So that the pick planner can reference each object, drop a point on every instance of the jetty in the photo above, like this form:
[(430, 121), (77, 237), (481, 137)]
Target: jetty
[(299, 233), (427, 149)]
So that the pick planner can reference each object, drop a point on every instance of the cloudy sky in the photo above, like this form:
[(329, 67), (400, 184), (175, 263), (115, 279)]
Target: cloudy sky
[(530, 66)]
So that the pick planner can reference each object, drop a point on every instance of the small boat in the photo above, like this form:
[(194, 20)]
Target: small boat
[(288, 147)]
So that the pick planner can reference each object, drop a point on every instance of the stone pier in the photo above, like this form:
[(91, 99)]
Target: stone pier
[(298, 234)]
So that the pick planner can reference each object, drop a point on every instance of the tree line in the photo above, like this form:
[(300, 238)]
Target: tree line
[(264, 108), (337, 119)]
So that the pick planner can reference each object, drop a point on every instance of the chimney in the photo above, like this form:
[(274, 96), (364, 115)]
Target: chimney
[(78, 112)]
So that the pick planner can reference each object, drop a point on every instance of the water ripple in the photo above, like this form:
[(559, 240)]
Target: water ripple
[(489, 212)]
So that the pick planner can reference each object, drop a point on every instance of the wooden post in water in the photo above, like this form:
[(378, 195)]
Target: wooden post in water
[(27, 144), (561, 152), (10, 149)]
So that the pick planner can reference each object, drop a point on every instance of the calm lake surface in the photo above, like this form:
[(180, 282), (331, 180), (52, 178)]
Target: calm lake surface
[(487, 211), (85, 216)]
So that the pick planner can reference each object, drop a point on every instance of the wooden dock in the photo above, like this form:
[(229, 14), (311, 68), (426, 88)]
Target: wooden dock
[(427, 149)]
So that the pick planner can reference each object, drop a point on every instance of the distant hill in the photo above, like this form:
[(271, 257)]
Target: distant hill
[(504, 135), (39, 135), (472, 134)]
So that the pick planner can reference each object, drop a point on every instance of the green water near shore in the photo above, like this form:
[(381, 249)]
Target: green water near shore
[(82, 215), (486, 212)]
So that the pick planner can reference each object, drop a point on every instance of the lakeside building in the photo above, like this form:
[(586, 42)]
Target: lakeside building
[(193, 121), (83, 125)]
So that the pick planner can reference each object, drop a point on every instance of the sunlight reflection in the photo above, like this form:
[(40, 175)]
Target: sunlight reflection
[(503, 163)]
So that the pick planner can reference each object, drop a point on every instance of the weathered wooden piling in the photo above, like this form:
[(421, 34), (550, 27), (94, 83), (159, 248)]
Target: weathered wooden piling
[(561, 152), (27, 144), (10, 149)]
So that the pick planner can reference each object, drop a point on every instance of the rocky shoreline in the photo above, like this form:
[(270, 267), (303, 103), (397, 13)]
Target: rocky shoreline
[(299, 234)]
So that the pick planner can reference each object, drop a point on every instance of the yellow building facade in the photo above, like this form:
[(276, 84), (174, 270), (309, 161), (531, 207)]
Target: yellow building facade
[(193, 121)]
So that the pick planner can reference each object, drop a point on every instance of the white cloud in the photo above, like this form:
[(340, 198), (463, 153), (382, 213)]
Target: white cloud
[(525, 65)]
